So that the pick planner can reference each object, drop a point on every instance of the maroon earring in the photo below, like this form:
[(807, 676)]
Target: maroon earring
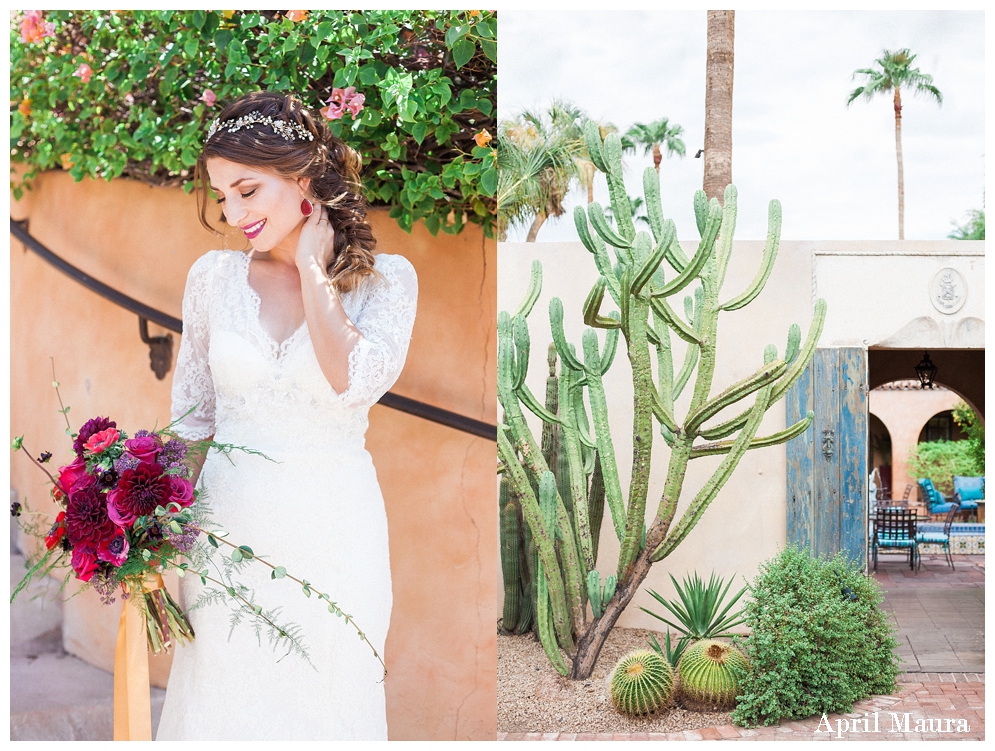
[(307, 208)]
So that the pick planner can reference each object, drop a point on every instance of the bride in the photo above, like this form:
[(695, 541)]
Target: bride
[(284, 350)]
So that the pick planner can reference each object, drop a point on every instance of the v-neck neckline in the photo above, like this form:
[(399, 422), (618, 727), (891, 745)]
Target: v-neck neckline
[(280, 347)]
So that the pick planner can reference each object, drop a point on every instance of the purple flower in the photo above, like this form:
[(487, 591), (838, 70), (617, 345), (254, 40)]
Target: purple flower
[(124, 463), (183, 542), (89, 429), (173, 454)]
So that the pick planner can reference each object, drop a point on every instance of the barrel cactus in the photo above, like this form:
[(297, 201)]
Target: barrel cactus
[(642, 683), (706, 675)]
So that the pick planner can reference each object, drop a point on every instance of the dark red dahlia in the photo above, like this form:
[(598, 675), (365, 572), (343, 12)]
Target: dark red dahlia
[(87, 522), (90, 428), (138, 492)]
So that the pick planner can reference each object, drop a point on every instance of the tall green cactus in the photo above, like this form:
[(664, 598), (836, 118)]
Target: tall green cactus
[(575, 464)]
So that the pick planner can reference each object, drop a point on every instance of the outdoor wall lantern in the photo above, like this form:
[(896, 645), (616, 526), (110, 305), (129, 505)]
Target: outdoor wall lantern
[(926, 372)]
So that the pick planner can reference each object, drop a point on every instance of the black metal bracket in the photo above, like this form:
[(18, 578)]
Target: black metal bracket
[(160, 349)]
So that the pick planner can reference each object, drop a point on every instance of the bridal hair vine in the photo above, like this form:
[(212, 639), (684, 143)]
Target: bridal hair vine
[(289, 130)]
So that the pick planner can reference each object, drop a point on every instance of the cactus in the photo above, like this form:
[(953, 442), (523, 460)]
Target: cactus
[(641, 274), (706, 676), (642, 683)]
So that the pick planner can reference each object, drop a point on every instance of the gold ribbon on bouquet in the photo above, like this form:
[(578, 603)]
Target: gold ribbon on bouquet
[(132, 705)]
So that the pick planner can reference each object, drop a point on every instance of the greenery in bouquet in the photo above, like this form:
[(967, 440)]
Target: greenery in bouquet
[(128, 512), (132, 93)]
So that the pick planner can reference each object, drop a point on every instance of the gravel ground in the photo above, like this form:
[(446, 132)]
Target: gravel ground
[(534, 698)]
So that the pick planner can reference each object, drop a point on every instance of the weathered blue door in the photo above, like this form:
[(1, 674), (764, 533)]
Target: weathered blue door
[(827, 465)]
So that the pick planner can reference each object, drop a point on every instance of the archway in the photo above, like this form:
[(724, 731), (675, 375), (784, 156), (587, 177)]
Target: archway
[(905, 410), (879, 453)]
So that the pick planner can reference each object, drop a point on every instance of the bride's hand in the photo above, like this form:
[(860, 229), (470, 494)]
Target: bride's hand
[(315, 245)]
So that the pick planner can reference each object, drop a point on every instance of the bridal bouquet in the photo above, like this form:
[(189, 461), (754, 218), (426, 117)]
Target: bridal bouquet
[(126, 516), (129, 511)]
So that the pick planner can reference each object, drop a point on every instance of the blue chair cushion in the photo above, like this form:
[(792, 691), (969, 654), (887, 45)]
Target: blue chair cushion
[(933, 537), (968, 505), (895, 542), (969, 488), (942, 508)]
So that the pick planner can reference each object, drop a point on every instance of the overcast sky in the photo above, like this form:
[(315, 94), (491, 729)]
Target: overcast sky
[(832, 167)]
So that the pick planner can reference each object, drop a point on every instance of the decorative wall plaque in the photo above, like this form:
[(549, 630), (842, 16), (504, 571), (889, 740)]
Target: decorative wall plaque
[(828, 437), (948, 291)]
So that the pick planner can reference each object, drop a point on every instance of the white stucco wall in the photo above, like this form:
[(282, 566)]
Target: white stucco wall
[(746, 523)]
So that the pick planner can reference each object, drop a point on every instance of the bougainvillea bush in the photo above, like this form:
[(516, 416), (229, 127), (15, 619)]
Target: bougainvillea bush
[(131, 93), (819, 640)]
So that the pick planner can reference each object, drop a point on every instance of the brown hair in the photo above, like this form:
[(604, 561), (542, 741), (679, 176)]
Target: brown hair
[(332, 166)]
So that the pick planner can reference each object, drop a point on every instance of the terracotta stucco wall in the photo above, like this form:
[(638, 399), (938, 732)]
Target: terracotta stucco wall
[(437, 482)]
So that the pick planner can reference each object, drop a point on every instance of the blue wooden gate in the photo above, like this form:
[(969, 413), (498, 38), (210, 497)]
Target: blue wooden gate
[(827, 465)]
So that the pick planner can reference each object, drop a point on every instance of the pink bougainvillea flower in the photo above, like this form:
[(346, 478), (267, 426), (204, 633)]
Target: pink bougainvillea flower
[(208, 97), (297, 15), (98, 443), (34, 28), (342, 100), (355, 105), (84, 72)]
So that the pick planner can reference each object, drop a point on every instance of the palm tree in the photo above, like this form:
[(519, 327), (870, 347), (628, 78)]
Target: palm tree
[(894, 71), (656, 134), (718, 102), (538, 161)]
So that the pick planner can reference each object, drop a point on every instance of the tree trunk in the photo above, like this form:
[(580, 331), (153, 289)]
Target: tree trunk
[(590, 644), (657, 157), (536, 224), (718, 103), (901, 175)]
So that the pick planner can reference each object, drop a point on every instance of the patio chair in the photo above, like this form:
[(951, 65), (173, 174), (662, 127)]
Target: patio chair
[(895, 531), (968, 491), (908, 492), (935, 502), (939, 538)]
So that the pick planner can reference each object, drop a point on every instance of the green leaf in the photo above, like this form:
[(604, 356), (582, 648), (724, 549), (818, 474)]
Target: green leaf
[(246, 551), (488, 182), (236, 555), (222, 38), (418, 130), (462, 52), (490, 49), (211, 539), (279, 572)]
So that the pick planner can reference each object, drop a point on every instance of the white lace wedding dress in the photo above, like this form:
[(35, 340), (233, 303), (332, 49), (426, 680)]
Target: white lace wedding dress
[(316, 509)]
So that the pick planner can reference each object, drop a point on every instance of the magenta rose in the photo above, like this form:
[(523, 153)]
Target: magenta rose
[(71, 474), (100, 442), (114, 550), (181, 491), (144, 449), (87, 523), (84, 564), (138, 492)]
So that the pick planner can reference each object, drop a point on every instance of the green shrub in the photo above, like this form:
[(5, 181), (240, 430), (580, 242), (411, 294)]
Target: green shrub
[(941, 460), (968, 421), (131, 93), (819, 640)]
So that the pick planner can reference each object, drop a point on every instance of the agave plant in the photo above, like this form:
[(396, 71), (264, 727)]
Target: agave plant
[(671, 651), (698, 611)]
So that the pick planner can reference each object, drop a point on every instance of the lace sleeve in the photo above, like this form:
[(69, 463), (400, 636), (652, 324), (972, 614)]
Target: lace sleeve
[(386, 319), (193, 385)]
